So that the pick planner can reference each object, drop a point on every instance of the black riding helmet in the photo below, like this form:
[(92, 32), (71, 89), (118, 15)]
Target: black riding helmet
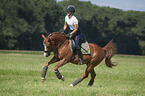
[(70, 8)]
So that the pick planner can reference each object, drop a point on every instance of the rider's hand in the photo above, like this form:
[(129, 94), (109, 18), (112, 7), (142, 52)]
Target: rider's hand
[(68, 35)]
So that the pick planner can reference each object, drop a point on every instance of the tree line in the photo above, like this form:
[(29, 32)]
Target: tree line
[(23, 21)]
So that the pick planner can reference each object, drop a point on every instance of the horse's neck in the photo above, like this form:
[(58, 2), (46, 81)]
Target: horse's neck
[(61, 44), (58, 39)]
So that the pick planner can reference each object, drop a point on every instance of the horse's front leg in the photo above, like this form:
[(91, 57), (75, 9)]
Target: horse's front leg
[(56, 71), (53, 60)]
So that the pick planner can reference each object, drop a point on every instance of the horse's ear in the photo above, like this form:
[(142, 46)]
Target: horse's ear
[(43, 36)]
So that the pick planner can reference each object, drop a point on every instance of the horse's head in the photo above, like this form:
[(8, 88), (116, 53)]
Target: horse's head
[(47, 45), (53, 41)]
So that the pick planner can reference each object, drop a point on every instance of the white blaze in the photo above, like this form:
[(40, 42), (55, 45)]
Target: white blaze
[(45, 49)]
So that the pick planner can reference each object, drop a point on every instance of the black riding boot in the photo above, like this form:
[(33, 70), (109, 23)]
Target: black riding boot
[(74, 53), (79, 53)]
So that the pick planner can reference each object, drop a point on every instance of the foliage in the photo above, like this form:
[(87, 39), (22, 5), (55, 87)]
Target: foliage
[(23, 21)]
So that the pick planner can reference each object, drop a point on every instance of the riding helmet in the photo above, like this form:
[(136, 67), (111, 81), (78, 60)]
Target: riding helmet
[(70, 8)]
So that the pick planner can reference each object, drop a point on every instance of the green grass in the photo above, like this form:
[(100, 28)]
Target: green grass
[(20, 75)]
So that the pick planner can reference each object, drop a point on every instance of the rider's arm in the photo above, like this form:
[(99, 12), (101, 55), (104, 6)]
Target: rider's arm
[(65, 26), (75, 30)]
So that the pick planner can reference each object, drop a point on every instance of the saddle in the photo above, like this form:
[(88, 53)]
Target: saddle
[(85, 49)]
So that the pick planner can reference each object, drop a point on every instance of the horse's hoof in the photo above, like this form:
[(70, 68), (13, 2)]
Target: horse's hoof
[(42, 80), (71, 85), (62, 78)]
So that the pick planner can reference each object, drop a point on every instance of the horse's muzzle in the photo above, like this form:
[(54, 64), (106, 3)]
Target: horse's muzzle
[(46, 53)]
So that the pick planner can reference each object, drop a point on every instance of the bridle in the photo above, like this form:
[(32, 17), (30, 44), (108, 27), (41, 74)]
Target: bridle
[(54, 46), (47, 44)]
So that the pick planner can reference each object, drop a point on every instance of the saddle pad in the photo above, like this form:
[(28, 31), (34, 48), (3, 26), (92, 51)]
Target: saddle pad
[(85, 49)]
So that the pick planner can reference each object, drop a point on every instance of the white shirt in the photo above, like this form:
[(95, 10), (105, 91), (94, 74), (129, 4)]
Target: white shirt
[(71, 22)]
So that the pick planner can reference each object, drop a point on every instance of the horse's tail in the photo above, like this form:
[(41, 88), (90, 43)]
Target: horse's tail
[(110, 50)]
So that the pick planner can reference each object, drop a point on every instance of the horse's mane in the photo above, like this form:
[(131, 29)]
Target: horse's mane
[(59, 33)]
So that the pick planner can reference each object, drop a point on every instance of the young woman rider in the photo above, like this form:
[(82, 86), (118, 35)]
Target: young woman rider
[(74, 33)]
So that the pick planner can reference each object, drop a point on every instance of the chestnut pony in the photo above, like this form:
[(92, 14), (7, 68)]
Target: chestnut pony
[(58, 42)]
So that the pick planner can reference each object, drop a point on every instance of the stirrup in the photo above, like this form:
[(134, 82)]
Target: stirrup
[(80, 62), (73, 57)]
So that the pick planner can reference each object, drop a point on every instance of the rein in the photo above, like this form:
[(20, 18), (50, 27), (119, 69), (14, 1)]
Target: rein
[(59, 44)]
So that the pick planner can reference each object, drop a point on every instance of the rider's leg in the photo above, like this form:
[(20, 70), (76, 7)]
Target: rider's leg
[(78, 48)]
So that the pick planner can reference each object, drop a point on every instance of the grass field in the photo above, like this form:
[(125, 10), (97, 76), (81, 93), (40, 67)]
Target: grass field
[(20, 74)]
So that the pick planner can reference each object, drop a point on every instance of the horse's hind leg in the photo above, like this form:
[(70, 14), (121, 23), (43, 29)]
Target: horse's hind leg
[(88, 70), (93, 75)]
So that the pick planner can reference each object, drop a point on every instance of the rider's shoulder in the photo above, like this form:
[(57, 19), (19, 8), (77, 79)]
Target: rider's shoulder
[(74, 17), (66, 16)]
